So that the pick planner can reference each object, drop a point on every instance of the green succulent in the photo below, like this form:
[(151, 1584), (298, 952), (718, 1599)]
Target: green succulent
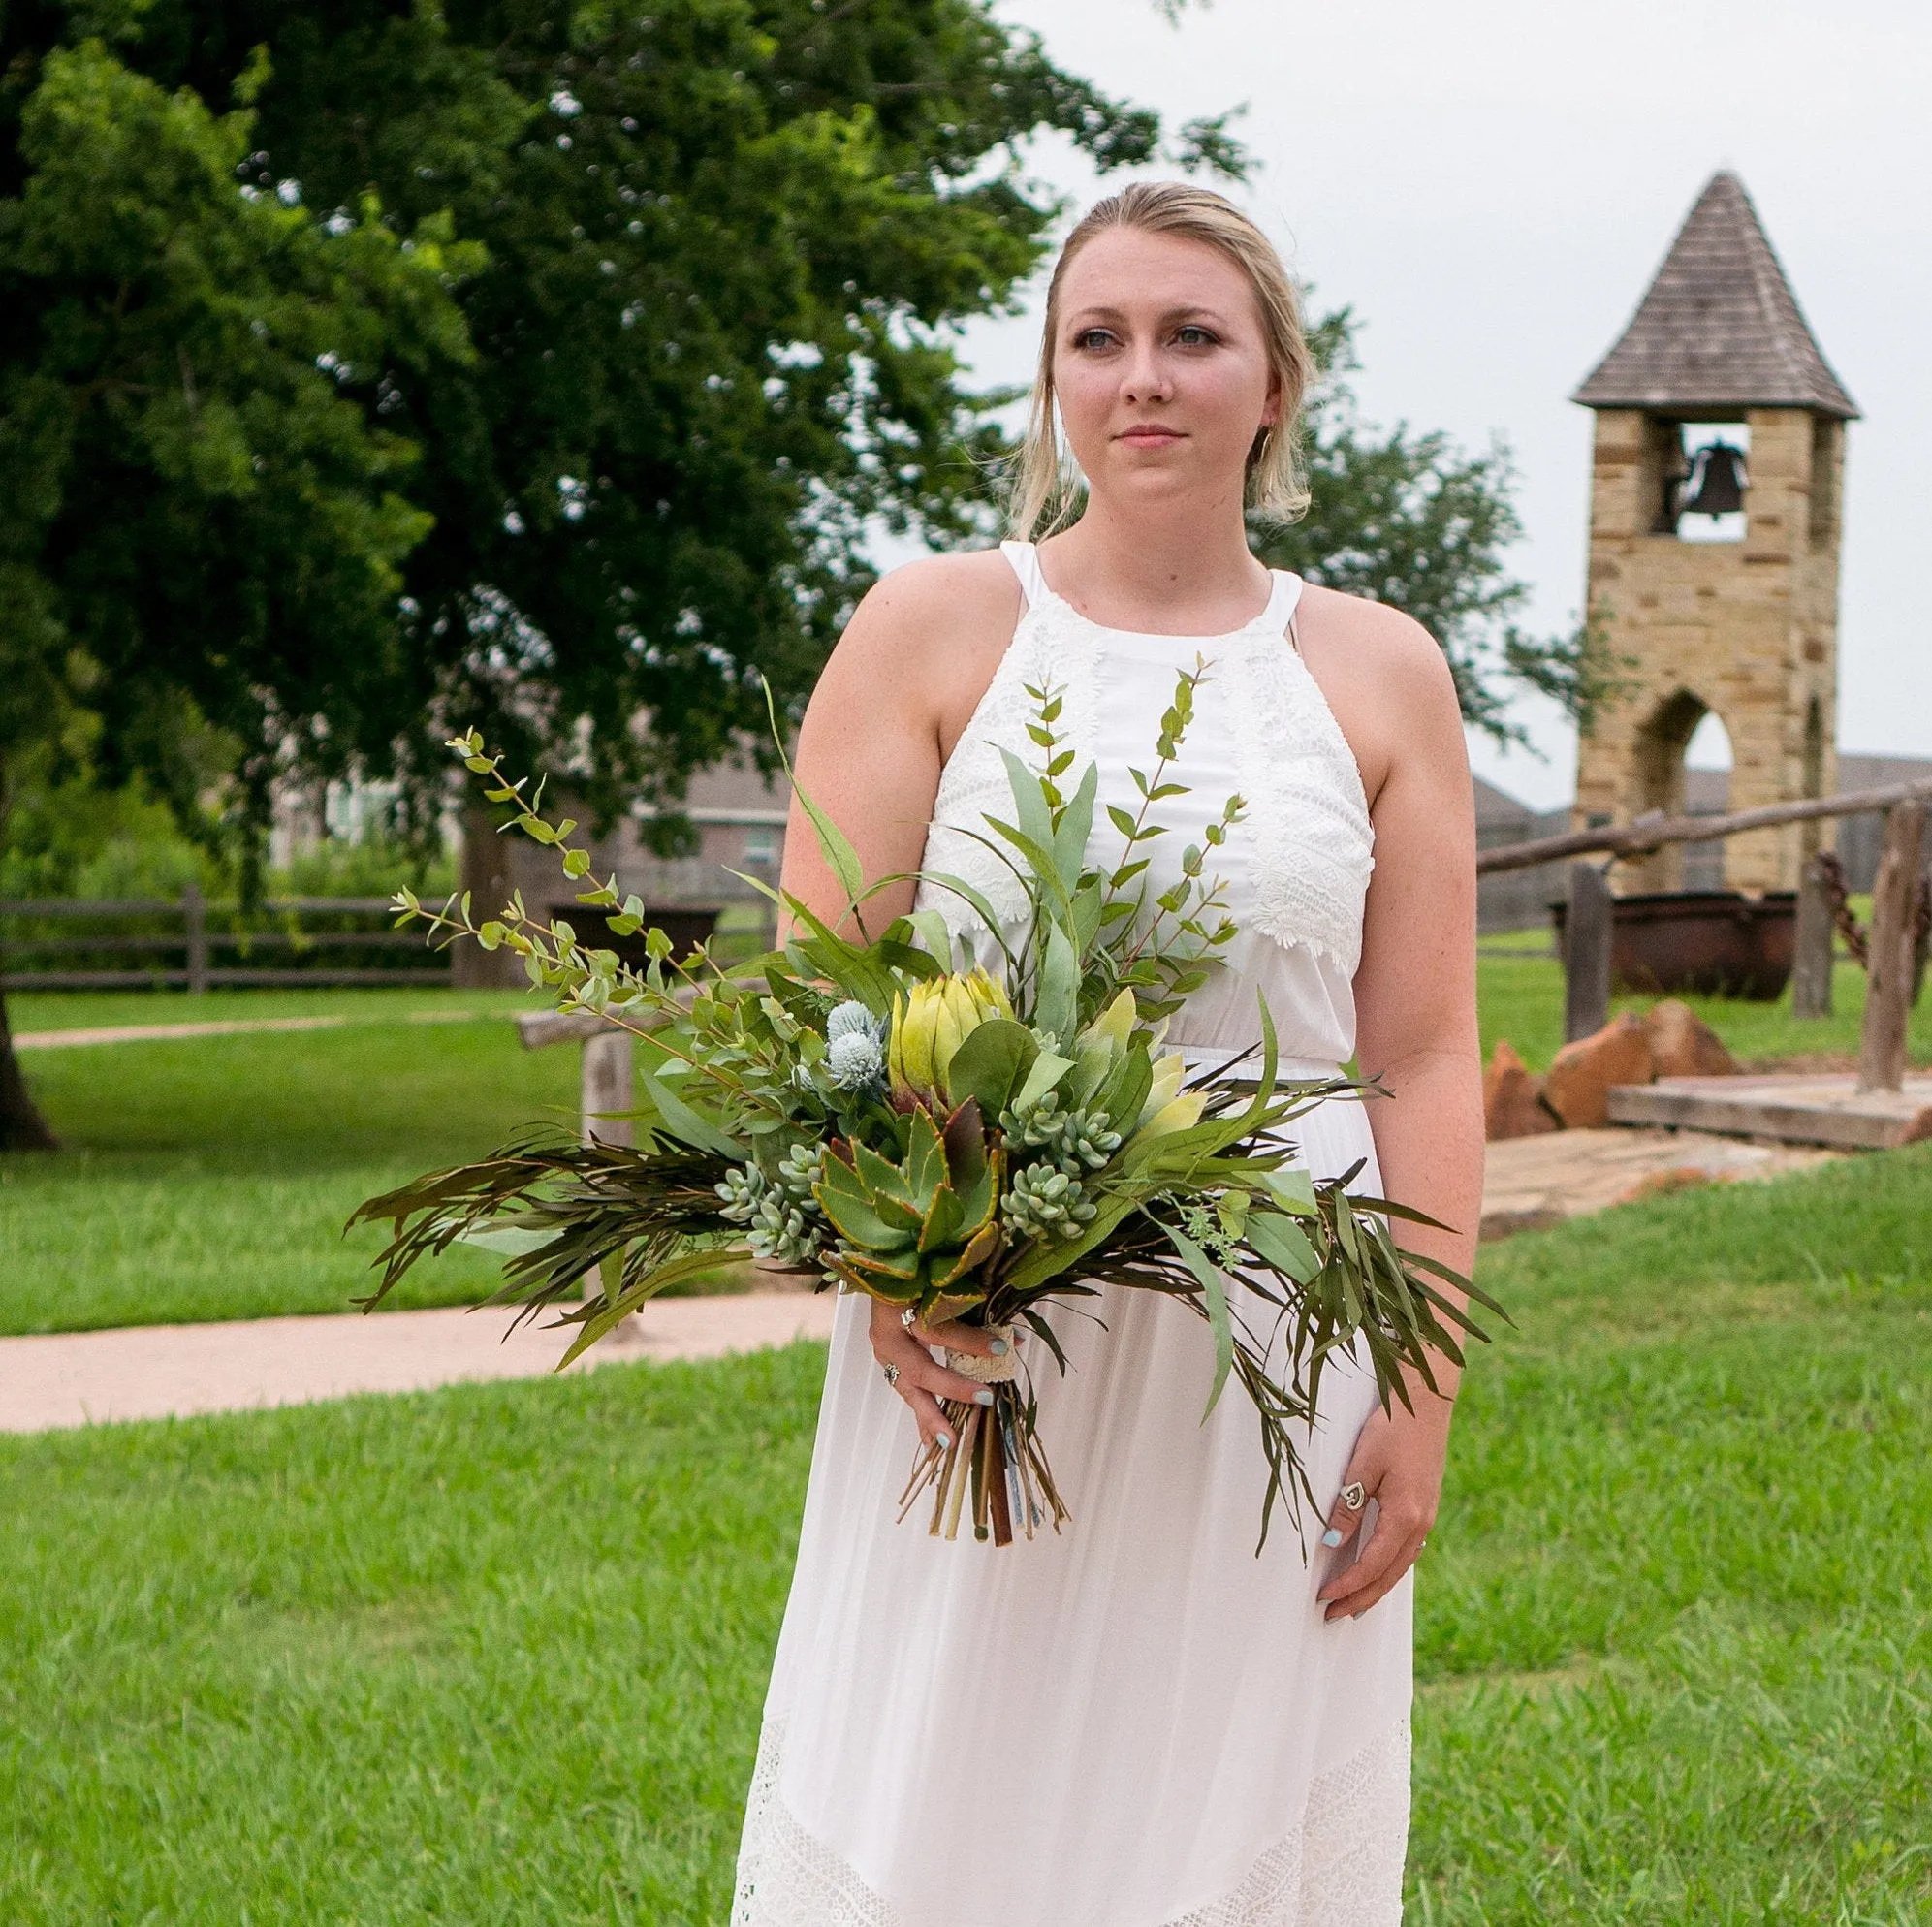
[(912, 1231), (781, 1220), (1077, 1141), (1047, 1203)]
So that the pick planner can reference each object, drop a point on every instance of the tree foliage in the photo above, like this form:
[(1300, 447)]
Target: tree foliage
[(368, 368), (591, 341)]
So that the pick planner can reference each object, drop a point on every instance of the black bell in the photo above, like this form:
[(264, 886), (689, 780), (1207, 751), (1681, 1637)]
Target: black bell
[(1717, 483)]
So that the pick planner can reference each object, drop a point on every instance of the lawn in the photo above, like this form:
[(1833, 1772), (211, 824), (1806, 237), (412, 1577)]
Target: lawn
[(210, 1177), (1521, 998), (495, 1653)]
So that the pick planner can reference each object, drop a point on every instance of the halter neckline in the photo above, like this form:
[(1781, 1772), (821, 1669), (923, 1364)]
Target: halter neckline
[(1276, 616)]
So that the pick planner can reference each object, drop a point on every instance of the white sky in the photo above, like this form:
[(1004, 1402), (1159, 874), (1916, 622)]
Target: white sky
[(1492, 186)]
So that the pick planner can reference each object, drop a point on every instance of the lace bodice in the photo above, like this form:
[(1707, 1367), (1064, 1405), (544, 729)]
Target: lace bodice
[(1297, 865)]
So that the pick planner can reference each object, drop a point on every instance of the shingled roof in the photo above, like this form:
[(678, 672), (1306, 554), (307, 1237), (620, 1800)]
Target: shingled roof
[(1720, 327)]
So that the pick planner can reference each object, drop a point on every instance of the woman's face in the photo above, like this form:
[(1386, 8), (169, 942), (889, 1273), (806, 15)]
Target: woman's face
[(1160, 366)]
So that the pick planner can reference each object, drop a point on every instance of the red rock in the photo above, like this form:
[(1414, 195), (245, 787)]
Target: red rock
[(1513, 1100), (1683, 1045), (1582, 1073)]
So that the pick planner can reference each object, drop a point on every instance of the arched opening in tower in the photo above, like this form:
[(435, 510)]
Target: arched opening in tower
[(1683, 768)]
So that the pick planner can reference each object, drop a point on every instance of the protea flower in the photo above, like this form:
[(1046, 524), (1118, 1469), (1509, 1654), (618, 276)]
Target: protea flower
[(1169, 1108), (932, 1022), (916, 1230)]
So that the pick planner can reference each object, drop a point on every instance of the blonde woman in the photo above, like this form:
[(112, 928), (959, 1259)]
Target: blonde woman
[(1139, 1722)]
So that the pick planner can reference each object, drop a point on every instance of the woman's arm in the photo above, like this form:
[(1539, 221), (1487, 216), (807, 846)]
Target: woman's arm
[(1417, 1030), (894, 698), (901, 684)]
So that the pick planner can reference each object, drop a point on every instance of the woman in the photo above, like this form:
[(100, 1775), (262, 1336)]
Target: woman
[(1140, 1722)]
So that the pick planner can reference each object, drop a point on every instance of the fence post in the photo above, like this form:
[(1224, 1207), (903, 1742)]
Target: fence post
[(1586, 953), (607, 1088), (195, 921), (1811, 962), (1894, 940)]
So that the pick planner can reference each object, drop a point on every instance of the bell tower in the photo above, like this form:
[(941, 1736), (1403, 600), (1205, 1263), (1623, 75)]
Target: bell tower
[(1714, 526)]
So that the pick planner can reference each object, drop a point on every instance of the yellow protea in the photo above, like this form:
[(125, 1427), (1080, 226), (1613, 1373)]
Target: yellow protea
[(933, 1021)]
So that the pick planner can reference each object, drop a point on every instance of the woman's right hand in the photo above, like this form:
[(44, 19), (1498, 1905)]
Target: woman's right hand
[(922, 1383)]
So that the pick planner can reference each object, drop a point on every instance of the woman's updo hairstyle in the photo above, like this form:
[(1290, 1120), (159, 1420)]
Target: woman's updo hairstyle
[(1045, 485)]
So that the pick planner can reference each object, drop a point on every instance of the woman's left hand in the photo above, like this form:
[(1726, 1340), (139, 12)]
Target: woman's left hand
[(1397, 1458)]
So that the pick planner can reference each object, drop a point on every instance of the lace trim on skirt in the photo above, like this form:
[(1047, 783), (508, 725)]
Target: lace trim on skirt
[(1341, 1868)]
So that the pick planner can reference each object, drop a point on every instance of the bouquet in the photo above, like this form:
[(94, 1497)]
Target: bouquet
[(964, 1142)]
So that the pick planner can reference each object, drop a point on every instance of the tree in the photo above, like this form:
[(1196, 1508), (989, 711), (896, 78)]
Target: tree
[(193, 506), (533, 366), (1412, 520), (369, 370)]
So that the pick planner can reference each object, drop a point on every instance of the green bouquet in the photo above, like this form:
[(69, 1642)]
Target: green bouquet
[(967, 1146)]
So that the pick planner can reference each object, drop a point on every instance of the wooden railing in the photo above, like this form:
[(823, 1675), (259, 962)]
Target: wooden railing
[(198, 945), (1894, 960)]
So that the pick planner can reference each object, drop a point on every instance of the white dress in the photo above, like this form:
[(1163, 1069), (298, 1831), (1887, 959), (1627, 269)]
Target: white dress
[(1138, 1722)]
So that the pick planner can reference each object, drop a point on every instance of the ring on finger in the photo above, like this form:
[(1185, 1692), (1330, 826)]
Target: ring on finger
[(891, 1373), (1354, 1494), (909, 1317)]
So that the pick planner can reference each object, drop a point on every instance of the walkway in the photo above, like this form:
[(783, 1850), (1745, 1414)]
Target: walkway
[(65, 1378)]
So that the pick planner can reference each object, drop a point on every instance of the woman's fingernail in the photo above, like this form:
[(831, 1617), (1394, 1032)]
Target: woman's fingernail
[(1333, 1537), (943, 1441), (983, 1396), (999, 1347)]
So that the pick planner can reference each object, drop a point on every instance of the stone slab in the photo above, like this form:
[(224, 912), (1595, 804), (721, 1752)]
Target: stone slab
[(68, 1378), (1531, 1183), (1819, 1110)]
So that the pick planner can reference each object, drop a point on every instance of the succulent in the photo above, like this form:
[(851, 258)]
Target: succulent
[(800, 1170), (781, 1220), (1046, 1203), (933, 1021), (1076, 1141), (911, 1231)]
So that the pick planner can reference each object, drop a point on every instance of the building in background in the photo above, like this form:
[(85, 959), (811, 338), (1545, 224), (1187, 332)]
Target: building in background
[(1714, 538)]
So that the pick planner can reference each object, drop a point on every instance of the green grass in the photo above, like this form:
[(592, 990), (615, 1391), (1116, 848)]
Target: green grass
[(211, 1177), (496, 1653), (1521, 998), (487, 1656)]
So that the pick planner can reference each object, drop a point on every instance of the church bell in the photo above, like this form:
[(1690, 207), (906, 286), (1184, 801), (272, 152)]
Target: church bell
[(1717, 483)]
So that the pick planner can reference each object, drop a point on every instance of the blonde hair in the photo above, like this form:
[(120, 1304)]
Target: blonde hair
[(1043, 482)]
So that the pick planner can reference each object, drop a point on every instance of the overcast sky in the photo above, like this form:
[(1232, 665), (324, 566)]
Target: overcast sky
[(1491, 187)]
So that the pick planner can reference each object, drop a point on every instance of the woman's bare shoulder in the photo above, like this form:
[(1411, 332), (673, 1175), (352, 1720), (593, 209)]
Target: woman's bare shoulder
[(1359, 637), (953, 592), (933, 629)]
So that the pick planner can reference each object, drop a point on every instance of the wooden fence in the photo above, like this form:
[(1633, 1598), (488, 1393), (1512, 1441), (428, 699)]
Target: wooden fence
[(1894, 949), (194, 944)]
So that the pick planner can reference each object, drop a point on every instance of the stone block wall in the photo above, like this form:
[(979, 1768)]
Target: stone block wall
[(1747, 629)]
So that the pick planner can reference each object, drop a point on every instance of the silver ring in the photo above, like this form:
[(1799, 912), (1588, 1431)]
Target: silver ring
[(909, 1317), (1354, 1494), (891, 1374)]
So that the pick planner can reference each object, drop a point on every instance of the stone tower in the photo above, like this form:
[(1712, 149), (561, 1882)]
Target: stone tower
[(1734, 613)]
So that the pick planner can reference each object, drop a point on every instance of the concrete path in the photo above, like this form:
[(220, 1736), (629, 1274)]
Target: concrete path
[(67, 1379), (231, 1027)]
